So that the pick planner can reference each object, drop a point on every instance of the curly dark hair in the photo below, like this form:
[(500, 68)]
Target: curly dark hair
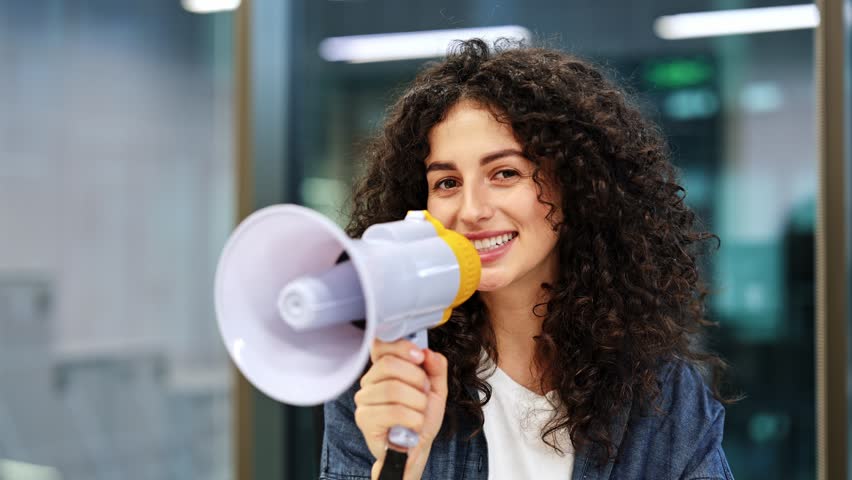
[(629, 295)]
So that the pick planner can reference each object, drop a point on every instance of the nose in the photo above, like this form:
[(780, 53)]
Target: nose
[(476, 206)]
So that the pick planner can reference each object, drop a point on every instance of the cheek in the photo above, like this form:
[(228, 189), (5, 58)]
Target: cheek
[(442, 211), (525, 206), (541, 210), (548, 223)]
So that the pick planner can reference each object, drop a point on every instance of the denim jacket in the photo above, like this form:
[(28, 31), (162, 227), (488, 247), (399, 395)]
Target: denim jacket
[(685, 442)]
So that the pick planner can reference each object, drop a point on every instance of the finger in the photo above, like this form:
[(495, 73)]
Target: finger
[(391, 367), (392, 392), (435, 366), (383, 417), (403, 349)]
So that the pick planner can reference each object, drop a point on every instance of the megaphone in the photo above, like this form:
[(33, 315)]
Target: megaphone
[(285, 305)]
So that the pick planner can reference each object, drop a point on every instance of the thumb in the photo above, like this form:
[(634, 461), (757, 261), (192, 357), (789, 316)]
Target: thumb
[(435, 366)]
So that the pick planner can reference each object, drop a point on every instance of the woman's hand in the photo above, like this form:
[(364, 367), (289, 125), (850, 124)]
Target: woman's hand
[(405, 386)]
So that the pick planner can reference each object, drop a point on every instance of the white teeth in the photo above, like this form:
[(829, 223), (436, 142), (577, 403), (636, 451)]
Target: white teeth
[(493, 242)]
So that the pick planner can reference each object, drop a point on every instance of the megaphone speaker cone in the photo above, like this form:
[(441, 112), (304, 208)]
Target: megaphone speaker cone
[(268, 250)]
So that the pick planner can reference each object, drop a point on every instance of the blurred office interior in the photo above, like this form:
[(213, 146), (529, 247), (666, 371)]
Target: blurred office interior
[(134, 133)]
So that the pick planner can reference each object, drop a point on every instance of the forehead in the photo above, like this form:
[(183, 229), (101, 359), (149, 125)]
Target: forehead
[(469, 127)]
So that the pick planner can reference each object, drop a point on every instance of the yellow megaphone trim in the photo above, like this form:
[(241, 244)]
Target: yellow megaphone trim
[(470, 266)]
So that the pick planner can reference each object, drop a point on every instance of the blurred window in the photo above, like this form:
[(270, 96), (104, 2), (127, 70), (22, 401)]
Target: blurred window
[(116, 196), (739, 113)]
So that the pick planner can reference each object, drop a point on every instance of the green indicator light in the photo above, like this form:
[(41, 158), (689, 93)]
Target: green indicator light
[(678, 73)]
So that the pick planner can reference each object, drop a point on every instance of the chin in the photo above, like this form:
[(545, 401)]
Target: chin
[(490, 284)]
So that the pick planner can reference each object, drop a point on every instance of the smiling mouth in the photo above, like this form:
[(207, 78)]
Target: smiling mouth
[(488, 244)]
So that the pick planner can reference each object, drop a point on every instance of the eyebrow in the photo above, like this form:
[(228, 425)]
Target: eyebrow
[(508, 152)]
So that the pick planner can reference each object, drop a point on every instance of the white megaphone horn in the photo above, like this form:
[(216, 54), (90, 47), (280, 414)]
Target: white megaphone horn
[(285, 306)]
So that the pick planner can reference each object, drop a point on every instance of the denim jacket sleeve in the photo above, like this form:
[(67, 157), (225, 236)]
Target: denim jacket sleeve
[(708, 460), (345, 455), (682, 443)]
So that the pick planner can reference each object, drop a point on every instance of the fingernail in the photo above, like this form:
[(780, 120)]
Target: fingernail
[(427, 386), (416, 354)]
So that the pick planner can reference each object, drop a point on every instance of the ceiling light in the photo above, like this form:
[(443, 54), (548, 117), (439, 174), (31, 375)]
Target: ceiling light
[(209, 6), (385, 47), (735, 22)]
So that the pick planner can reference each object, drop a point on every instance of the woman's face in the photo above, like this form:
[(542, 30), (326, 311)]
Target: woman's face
[(481, 186)]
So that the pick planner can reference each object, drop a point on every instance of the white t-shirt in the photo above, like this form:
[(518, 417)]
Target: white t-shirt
[(514, 417)]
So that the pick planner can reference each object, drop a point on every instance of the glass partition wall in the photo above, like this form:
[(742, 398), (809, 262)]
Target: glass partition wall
[(739, 112), (116, 196)]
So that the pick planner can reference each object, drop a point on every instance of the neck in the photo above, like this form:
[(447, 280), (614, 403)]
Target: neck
[(510, 312)]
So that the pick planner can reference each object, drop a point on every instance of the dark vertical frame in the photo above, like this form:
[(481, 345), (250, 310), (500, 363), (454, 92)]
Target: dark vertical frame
[(243, 392), (259, 426), (831, 243), (274, 441)]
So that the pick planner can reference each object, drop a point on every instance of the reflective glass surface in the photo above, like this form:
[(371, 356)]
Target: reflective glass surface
[(739, 113), (115, 199)]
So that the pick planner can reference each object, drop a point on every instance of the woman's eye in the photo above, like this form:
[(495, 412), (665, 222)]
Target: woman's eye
[(446, 184), (506, 174)]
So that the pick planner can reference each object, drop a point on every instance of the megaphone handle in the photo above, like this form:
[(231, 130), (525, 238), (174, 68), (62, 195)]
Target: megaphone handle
[(419, 338), (401, 436)]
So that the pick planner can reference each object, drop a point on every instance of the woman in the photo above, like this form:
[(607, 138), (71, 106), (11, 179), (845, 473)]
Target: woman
[(578, 354)]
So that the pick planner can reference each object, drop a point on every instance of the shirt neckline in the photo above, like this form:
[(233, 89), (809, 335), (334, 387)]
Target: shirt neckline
[(517, 386)]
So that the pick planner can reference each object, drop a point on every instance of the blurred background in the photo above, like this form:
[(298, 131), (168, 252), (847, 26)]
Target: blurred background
[(135, 133)]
